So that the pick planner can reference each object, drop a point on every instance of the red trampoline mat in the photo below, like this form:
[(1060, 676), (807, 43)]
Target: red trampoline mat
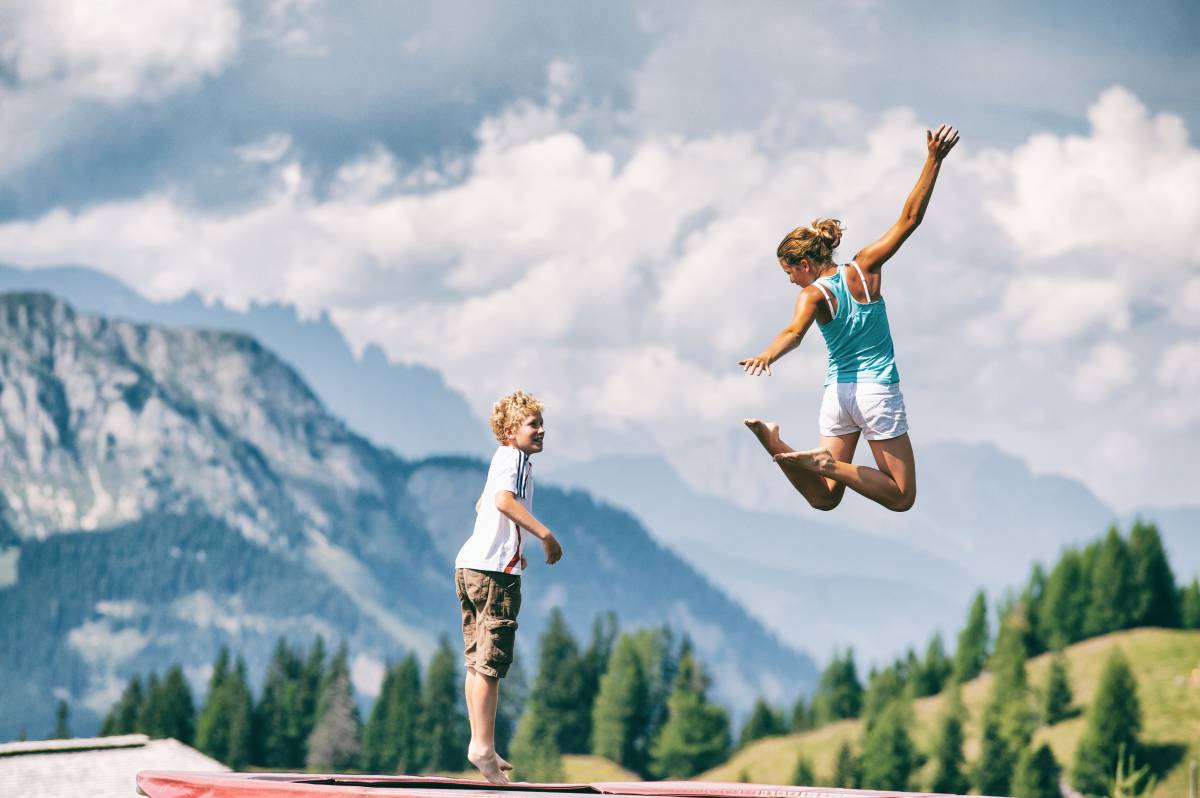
[(164, 784)]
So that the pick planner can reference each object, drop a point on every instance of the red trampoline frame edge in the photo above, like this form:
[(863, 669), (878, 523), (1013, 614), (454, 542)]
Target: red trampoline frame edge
[(179, 784)]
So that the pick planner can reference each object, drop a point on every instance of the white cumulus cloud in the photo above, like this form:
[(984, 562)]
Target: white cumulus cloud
[(622, 287), (120, 49), (1107, 368), (1126, 192)]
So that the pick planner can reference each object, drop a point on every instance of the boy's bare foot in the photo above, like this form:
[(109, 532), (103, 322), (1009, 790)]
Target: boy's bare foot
[(815, 460), (488, 763), (504, 765), (767, 433)]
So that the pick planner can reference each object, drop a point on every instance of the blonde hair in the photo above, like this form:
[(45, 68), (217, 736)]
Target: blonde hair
[(510, 411), (816, 242)]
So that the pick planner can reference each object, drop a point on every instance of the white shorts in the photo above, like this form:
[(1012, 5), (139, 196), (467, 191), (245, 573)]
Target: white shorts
[(877, 410)]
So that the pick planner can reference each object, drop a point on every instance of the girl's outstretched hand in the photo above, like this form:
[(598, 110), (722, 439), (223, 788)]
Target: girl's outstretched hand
[(941, 142), (755, 365)]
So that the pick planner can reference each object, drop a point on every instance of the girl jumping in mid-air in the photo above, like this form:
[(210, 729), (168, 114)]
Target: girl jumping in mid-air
[(862, 385)]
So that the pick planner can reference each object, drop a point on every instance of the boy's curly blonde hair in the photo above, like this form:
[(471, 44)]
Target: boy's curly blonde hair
[(510, 411)]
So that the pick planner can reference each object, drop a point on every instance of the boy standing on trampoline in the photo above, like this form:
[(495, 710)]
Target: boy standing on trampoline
[(487, 571), (862, 383)]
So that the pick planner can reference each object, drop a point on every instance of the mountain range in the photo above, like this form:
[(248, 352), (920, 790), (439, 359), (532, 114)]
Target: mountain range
[(170, 490), (373, 395), (859, 576)]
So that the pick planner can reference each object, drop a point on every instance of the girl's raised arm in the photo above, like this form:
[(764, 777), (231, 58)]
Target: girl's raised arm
[(939, 144)]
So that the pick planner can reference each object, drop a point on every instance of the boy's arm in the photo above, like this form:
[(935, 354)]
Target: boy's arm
[(506, 502)]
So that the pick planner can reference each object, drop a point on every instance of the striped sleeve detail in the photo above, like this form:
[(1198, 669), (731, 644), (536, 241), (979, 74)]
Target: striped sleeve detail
[(522, 474)]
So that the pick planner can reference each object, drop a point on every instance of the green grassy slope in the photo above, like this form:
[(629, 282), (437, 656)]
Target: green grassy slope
[(1165, 662)]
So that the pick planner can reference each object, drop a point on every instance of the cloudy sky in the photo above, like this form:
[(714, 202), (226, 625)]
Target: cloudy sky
[(584, 199)]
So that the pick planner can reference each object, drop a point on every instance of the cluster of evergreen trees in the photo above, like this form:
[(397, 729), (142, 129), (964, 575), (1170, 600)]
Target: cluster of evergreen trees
[(638, 698), (1109, 585), (306, 715)]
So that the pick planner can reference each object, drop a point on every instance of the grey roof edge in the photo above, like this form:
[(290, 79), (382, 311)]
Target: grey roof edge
[(73, 744)]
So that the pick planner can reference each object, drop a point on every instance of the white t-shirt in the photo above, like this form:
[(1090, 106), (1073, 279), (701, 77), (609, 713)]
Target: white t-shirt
[(495, 545)]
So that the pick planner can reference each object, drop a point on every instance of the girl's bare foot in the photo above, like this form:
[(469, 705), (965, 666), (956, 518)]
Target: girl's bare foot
[(488, 764), (816, 460), (767, 433)]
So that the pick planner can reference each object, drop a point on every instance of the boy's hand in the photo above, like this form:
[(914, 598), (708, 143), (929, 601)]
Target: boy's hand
[(553, 549)]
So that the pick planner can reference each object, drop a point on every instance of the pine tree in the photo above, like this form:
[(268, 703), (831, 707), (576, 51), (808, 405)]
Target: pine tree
[(993, 769), (839, 694), (515, 694), (334, 744), (846, 768), (1037, 774), (376, 756), (889, 757), (594, 662), (212, 730), (1008, 660), (1189, 606), (949, 775), (802, 719), (279, 742), (1114, 721), (443, 724), (62, 717), (224, 727), (1112, 588), (972, 642), (884, 687), (618, 715), (1064, 602), (1057, 706), (302, 708), (123, 717), (151, 717), (535, 753), (763, 722), (404, 716), (1031, 603), (559, 686), (656, 651), (802, 773), (1155, 602), (1009, 704), (695, 736), (177, 715), (240, 716), (934, 670)]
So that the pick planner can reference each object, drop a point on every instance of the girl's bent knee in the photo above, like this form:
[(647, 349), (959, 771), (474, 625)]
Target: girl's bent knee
[(903, 504), (825, 503)]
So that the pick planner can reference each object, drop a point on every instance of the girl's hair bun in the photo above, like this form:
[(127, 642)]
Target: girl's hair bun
[(828, 230), (816, 242)]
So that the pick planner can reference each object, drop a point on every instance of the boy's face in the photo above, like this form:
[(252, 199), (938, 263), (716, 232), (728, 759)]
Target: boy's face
[(528, 435)]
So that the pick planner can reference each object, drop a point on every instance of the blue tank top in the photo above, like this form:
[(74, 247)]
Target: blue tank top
[(858, 337)]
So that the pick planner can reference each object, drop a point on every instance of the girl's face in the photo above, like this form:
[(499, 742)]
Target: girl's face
[(802, 274)]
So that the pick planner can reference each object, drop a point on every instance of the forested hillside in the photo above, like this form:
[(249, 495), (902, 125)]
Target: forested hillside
[(1096, 661)]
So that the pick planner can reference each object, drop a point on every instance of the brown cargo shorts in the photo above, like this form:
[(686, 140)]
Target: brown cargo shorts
[(490, 602)]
